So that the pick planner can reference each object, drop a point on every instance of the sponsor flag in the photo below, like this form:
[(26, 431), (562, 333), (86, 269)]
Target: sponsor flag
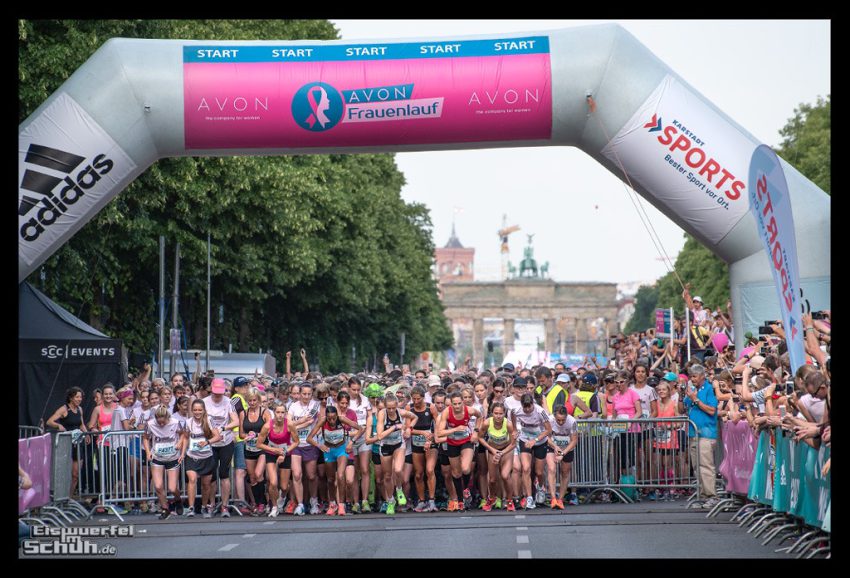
[(770, 205)]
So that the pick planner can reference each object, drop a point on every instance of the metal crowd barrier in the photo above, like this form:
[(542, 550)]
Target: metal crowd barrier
[(611, 458), (29, 431), (125, 480)]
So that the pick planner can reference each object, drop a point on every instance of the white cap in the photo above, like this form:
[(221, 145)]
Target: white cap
[(697, 298)]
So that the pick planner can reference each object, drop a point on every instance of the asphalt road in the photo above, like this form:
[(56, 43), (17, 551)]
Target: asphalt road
[(642, 530)]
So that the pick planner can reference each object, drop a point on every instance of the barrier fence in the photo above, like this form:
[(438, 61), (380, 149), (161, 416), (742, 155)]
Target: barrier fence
[(624, 456), (35, 459), (787, 477), (29, 431)]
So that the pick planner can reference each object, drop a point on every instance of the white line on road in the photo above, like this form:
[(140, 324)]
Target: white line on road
[(248, 535), (522, 539), (522, 528), (227, 547), (521, 517), (269, 523), (524, 554)]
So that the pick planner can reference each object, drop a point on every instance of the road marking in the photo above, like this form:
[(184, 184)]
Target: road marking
[(269, 523), (522, 528), (248, 535), (524, 554), (522, 539), (227, 547), (521, 517)]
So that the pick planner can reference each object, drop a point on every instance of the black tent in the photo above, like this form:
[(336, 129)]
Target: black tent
[(57, 351)]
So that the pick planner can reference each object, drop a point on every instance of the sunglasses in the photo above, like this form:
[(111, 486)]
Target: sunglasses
[(618, 381)]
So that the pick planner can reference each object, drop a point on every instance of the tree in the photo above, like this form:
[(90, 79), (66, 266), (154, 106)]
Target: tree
[(317, 251), (646, 300), (806, 143)]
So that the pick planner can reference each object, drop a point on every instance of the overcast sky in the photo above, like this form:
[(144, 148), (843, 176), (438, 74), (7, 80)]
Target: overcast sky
[(756, 71)]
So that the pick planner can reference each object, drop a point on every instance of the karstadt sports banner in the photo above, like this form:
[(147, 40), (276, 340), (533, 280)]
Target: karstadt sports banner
[(367, 94), (66, 164), (688, 157), (771, 206)]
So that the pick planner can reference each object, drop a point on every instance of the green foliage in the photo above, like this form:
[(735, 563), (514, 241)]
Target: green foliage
[(646, 300), (806, 143), (707, 274), (315, 251)]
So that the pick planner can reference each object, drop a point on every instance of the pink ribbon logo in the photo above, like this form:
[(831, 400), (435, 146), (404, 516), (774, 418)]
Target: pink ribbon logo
[(319, 107)]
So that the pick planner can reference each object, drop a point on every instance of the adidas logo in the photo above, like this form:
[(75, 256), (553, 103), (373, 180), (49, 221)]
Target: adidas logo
[(54, 203)]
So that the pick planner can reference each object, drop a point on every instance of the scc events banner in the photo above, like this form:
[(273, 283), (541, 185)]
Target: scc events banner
[(299, 96), (771, 207), (688, 157), (66, 164)]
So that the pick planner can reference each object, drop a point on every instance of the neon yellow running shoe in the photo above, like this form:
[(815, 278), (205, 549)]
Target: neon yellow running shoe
[(400, 495)]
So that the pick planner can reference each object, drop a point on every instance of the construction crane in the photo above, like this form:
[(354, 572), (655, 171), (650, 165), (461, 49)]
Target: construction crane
[(504, 232)]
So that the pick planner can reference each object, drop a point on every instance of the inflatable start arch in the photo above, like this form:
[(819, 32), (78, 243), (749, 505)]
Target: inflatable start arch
[(135, 101)]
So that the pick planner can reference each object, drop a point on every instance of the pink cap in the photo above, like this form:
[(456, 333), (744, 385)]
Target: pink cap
[(218, 385)]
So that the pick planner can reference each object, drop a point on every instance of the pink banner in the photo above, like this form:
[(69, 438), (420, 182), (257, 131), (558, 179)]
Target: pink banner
[(34, 458), (739, 454), (367, 103)]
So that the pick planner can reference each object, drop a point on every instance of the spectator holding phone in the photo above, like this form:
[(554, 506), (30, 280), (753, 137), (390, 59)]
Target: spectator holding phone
[(700, 404)]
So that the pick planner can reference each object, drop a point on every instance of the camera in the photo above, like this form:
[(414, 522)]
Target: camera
[(819, 315), (789, 387), (766, 330)]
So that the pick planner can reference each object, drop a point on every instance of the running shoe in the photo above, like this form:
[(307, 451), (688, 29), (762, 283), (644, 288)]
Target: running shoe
[(498, 504), (443, 505), (573, 501), (400, 495), (383, 509), (355, 508), (653, 496), (290, 508), (365, 507), (529, 503), (511, 507), (486, 505), (299, 510), (206, 512), (225, 512), (164, 515), (121, 511), (553, 504), (349, 509), (281, 502), (420, 507), (540, 497), (154, 508), (466, 494), (341, 510), (144, 507), (452, 506), (432, 506), (461, 506), (522, 504), (273, 513), (190, 513), (254, 512), (391, 509), (261, 509), (314, 507), (483, 503), (331, 509)]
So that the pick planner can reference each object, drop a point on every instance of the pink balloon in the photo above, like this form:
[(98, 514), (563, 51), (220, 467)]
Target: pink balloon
[(720, 340)]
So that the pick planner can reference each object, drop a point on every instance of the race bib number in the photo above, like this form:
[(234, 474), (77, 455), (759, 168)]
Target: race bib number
[(196, 448), (418, 440), (528, 433), (334, 438), (459, 435), (662, 435), (251, 444), (562, 441), (303, 433), (165, 449)]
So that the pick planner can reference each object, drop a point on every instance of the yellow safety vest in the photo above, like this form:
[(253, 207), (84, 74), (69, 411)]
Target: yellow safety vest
[(245, 408), (584, 427), (585, 397), (553, 393)]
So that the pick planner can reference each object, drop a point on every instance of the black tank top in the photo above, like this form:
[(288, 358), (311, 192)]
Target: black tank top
[(253, 426), (71, 421), (390, 423), (424, 419)]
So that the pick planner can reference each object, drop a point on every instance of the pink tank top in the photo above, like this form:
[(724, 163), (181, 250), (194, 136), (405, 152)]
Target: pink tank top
[(104, 421), (279, 439), (666, 438)]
